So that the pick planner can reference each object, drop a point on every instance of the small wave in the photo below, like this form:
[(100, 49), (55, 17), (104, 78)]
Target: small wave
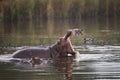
[(89, 57), (5, 58), (97, 48)]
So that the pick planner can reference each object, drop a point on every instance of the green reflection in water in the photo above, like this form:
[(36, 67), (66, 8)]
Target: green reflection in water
[(47, 32)]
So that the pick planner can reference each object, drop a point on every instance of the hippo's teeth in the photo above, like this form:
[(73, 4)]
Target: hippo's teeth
[(69, 54)]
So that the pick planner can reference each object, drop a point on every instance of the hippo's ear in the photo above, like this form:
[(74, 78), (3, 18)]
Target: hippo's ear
[(59, 41)]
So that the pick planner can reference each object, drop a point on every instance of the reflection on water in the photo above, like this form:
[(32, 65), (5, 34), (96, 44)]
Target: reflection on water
[(94, 62), (47, 32)]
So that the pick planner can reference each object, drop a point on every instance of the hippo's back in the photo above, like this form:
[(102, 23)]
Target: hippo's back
[(32, 52)]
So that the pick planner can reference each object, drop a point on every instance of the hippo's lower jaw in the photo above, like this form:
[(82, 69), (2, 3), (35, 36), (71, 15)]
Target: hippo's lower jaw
[(73, 53)]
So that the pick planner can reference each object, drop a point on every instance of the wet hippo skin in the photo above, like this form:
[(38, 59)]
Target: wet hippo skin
[(60, 49)]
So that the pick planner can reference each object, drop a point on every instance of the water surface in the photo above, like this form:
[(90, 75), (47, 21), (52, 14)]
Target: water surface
[(97, 61)]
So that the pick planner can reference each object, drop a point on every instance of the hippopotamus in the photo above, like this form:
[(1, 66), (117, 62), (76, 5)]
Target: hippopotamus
[(61, 48)]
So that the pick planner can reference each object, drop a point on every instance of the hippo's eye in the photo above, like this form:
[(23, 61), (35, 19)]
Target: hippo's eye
[(58, 43)]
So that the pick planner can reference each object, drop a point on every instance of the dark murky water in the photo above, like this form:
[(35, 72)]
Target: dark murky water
[(98, 61)]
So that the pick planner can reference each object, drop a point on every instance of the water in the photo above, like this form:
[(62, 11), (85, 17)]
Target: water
[(97, 61), (92, 63)]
